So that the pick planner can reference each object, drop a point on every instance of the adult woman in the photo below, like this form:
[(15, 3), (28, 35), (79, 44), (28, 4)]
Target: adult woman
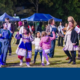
[(70, 18), (71, 40), (51, 27)]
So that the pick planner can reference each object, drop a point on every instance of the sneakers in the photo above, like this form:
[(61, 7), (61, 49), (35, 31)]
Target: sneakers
[(28, 65), (21, 64), (43, 64), (67, 58), (0, 65), (47, 64)]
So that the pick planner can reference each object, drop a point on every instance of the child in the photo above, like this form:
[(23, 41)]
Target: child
[(25, 45), (45, 43), (37, 47), (18, 36), (5, 35)]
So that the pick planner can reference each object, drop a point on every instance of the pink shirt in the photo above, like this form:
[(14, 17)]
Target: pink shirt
[(45, 42)]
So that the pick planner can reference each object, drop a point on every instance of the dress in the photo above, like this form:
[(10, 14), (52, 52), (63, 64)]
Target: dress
[(69, 45)]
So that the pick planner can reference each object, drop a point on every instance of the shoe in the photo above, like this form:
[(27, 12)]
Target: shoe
[(27, 65), (74, 63), (43, 64), (0, 65), (67, 58), (9, 54), (70, 61), (20, 64), (47, 64)]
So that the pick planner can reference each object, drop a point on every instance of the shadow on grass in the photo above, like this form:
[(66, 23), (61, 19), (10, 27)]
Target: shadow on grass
[(59, 56), (57, 62)]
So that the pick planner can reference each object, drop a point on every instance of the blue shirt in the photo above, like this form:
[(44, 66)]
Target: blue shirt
[(6, 34)]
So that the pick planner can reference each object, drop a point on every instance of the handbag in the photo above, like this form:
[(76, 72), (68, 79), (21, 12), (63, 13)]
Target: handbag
[(21, 52)]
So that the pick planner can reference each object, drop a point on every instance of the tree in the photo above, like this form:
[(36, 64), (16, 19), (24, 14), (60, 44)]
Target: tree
[(37, 2), (6, 6)]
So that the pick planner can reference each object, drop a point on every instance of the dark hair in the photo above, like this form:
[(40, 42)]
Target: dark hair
[(25, 23), (27, 29), (7, 18), (50, 21)]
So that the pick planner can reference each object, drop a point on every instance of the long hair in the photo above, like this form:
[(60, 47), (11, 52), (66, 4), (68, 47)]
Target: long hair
[(27, 29), (73, 20), (25, 23), (50, 21), (44, 33)]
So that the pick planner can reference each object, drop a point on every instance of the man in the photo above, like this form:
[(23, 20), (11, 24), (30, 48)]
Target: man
[(60, 40), (11, 29)]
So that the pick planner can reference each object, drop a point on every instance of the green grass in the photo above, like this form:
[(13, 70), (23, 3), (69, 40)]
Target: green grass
[(56, 62)]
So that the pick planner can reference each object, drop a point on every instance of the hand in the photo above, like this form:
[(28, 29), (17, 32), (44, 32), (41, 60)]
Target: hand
[(0, 35), (74, 44), (11, 31), (48, 33), (53, 32), (29, 34), (62, 35)]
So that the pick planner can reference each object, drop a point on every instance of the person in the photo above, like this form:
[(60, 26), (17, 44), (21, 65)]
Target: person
[(26, 46), (25, 24), (37, 46), (71, 40), (11, 29), (5, 35), (18, 36), (60, 39), (51, 27), (70, 18), (65, 28), (39, 27), (45, 43), (33, 29), (19, 24)]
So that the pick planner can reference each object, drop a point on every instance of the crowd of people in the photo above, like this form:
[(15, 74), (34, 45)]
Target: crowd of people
[(44, 40)]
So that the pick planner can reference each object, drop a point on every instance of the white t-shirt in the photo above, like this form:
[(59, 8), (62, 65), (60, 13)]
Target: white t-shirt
[(60, 29), (36, 43)]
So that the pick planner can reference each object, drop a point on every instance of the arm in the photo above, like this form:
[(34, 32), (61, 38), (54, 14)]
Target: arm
[(20, 31), (75, 38), (12, 28), (40, 43), (10, 34), (33, 42), (54, 36), (45, 39)]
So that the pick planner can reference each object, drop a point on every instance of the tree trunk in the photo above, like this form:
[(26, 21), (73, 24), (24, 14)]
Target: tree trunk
[(37, 5)]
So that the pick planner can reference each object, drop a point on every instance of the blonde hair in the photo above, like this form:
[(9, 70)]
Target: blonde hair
[(44, 33), (72, 19)]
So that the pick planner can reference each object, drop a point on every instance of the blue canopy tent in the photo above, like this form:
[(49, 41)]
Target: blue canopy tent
[(5, 15), (51, 17), (41, 17), (36, 17)]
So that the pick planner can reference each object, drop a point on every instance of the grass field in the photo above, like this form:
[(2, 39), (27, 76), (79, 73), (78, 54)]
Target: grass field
[(59, 60)]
